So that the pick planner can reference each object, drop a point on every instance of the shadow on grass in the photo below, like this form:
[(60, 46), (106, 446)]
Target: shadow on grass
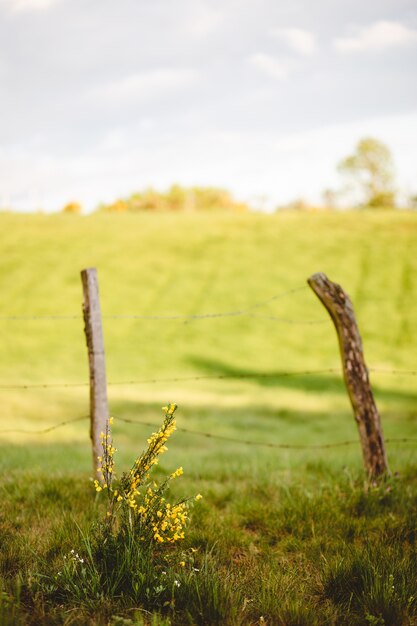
[(205, 431), (238, 420), (314, 382), (209, 430)]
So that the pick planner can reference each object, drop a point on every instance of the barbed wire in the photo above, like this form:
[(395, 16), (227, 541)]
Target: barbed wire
[(17, 318), (193, 316), (181, 379), (197, 316), (394, 372), (267, 444), (44, 385), (176, 379), (43, 431)]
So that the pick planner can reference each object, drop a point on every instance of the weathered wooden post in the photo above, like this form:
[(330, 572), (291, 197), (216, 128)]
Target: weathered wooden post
[(355, 372), (99, 411)]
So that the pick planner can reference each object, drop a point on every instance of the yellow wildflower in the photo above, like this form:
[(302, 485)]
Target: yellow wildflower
[(178, 472)]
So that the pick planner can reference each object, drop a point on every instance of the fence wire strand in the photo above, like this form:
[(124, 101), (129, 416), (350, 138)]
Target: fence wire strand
[(181, 379), (176, 379), (198, 316), (246, 442), (190, 317), (49, 429), (267, 444)]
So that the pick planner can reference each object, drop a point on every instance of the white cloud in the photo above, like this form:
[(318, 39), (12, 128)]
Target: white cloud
[(21, 6), (201, 19), (299, 40), (377, 36), (281, 166), (118, 139), (143, 85), (273, 67)]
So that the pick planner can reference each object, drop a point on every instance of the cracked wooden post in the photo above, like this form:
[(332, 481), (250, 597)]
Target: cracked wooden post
[(99, 411), (355, 372)]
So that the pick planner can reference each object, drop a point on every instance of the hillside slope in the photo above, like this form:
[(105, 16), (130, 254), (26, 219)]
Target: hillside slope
[(186, 265)]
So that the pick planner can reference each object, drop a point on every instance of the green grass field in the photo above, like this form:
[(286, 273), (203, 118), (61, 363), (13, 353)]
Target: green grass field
[(285, 529)]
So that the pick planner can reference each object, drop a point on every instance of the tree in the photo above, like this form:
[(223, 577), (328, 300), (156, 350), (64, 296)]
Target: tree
[(412, 202), (371, 169), (72, 207), (178, 198)]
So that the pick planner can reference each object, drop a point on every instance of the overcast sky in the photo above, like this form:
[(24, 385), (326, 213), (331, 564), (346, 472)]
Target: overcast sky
[(99, 98)]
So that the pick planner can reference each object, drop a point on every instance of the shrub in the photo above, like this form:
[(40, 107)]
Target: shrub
[(131, 558), (72, 207)]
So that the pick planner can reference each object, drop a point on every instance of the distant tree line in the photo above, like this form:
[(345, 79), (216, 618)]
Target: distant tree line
[(177, 199), (368, 172)]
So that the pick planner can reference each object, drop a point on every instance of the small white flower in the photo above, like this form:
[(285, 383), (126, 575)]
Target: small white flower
[(177, 583), (195, 569)]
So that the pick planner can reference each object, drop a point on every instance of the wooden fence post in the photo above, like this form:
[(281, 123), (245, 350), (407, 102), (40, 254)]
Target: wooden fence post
[(355, 372), (99, 411)]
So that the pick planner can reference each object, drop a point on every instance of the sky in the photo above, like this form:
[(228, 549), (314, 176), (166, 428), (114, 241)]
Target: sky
[(100, 98)]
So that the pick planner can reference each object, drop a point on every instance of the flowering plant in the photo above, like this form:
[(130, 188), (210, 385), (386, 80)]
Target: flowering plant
[(136, 502), (132, 557)]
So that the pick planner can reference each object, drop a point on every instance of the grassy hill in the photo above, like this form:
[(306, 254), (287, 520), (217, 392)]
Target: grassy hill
[(189, 265), (186, 265)]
